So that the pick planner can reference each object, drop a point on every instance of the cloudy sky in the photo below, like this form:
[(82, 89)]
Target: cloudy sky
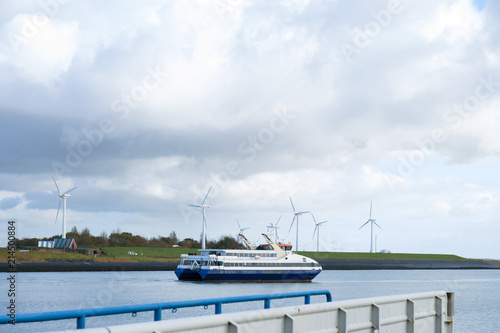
[(146, 105)]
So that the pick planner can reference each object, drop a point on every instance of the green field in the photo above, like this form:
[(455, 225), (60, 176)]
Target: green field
[(44, 256), (388, 256), (145, 254)]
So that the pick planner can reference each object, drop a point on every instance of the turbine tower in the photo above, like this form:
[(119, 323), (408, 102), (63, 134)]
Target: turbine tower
[(204, 221), (62, 197), (317, 225), (296, 216), (275, 228), (241, 231), (372, 222)]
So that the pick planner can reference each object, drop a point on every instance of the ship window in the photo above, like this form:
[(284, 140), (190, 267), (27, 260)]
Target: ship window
[(304, 259)]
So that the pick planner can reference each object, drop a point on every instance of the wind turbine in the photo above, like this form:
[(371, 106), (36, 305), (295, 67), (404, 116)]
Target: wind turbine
[(275, 229), (371, 224), (317, 225), (204, 221), (296, 216), (241, 230), (62, 197)]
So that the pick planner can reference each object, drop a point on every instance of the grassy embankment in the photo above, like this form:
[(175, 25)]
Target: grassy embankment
[(113, 254), (385, 256), (149, 254)]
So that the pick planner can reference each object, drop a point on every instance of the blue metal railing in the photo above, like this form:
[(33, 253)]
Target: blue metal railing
[(81, 314)]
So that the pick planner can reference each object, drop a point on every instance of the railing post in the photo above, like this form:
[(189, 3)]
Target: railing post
[(375, 317), (307, 299), (410, 315), (80, 322), (218, 308), (267, 303), (342, 320), (157, 314)]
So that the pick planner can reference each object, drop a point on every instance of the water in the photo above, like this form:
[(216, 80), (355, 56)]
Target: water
[(477, 293)]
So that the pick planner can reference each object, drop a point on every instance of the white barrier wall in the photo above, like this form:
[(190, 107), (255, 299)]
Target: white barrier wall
[(423, 312)]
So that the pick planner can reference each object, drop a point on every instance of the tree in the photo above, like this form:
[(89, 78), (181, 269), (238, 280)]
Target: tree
[(228, 242), (73, 234), (156, 242), (86, 237), (102, 240), (139, 241), (173, 238), (189, 243)]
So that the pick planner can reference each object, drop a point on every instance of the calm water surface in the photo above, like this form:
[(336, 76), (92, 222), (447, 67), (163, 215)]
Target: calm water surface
[(477, 293)]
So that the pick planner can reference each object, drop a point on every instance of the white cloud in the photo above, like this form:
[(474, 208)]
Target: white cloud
[(42, 49), (226, 72), (456, 22)]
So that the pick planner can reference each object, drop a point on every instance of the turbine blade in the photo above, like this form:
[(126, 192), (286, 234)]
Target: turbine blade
[(277, 222), (239, 226), (364, 224), (300, 213), (291, 225), (74, 188), (58, 210), (313, 218), (320, 223), (196, 206), (56, 185), (314, 233), (376, 224), (206, 195), (292, 204), (371, 209)]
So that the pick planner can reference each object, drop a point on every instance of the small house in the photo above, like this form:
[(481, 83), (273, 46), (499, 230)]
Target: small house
[(65, 243), (47, 244)]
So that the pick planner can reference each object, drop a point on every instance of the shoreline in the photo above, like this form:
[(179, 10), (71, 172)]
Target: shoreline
[(327, 264)]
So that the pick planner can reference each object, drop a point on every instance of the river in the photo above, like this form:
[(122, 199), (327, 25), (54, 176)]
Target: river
[(477, 293)]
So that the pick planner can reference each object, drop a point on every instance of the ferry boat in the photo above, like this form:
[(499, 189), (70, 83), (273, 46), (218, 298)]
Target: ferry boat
[(266, 263)]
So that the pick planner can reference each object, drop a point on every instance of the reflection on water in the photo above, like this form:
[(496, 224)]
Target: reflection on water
[(477, 293)]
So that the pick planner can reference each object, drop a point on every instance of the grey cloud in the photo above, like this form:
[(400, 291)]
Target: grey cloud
[(11, 202)]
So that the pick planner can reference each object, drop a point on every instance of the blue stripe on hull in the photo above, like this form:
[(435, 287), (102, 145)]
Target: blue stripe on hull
[(240, 275)]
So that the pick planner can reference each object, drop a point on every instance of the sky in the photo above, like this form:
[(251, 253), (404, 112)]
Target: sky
[(144, 106)]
